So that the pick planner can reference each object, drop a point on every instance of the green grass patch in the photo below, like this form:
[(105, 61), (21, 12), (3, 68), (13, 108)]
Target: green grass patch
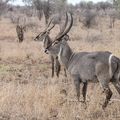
[(44, 66), (4, 69)]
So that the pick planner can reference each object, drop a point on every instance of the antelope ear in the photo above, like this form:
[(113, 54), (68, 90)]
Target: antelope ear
[(66, 37)]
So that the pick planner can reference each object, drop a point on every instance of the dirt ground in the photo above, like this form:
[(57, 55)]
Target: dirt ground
[(27, 91)]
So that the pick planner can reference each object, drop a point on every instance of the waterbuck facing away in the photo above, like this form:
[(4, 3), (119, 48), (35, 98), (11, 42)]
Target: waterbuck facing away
[(45, 38), (86, 67)]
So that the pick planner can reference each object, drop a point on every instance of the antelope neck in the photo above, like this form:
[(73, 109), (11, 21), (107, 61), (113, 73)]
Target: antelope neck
[(70, 59)]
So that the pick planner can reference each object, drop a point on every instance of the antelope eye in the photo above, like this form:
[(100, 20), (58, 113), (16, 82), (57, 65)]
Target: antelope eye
[(37, 37), (54, 43)]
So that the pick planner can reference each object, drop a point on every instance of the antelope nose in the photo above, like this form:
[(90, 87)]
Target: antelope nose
[(35, 39)]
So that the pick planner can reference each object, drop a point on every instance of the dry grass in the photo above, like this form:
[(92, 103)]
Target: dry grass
[(27, 92)]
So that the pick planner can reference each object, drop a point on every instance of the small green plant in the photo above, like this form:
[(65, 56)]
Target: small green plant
[(4, 69)]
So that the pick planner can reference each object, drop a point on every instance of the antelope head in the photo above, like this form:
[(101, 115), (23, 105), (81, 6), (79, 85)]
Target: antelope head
[(60, 41), (43, 34)]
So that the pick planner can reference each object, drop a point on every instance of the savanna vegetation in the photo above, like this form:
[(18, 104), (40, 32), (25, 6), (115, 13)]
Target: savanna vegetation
[(27, 90)]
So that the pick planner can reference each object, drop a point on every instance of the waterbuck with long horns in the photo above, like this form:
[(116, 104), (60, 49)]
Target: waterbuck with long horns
[(45, 38), (86, 67)]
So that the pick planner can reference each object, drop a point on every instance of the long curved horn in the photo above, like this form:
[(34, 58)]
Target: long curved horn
[(49, 24), (64, 26), (67, 30), (51, 28), (47, 29), (58, 38)]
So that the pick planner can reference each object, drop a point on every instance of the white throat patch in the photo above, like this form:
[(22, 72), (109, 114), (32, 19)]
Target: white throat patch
[(59, 55), (43, 43), (110, 65)]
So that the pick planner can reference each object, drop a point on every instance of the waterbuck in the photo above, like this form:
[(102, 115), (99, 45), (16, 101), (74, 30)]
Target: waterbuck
[(84, 67), (45, 38)]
